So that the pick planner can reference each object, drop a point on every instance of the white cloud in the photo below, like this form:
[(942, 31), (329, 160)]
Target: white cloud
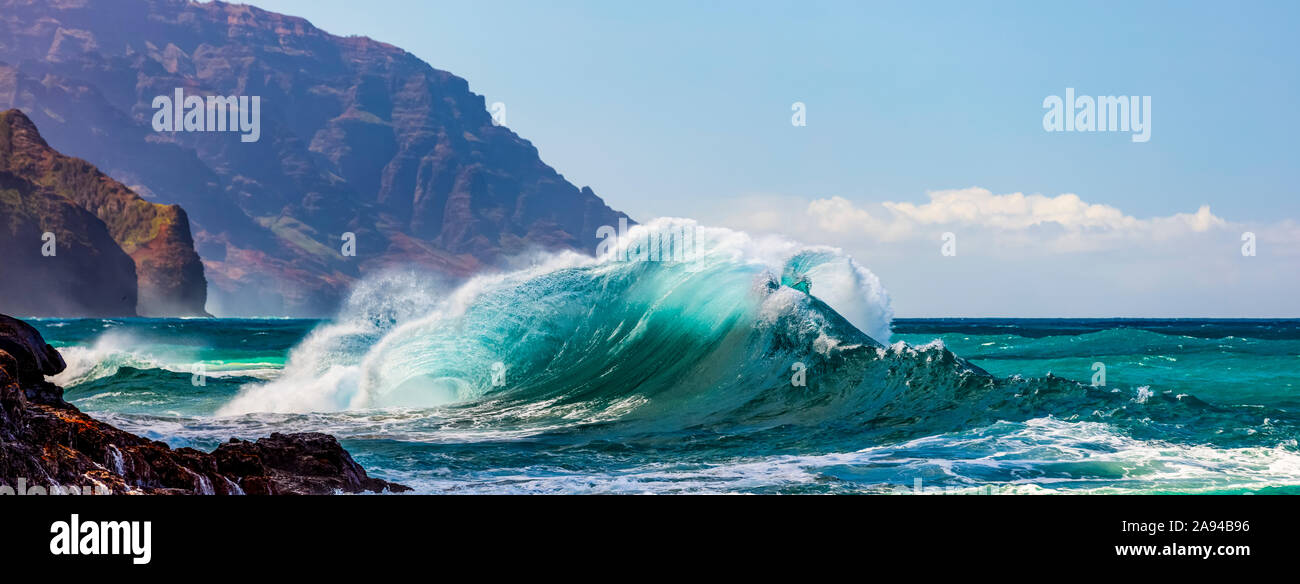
[(1037, 255), (1060, 223), (1011, 212), (1014, 211)]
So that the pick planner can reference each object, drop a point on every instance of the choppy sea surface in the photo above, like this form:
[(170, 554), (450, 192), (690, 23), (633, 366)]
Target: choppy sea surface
[(724, 373)]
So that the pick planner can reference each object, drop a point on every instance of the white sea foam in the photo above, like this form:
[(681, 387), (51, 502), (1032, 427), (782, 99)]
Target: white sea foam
[(114, 349), (110, 352), (1042, 455)]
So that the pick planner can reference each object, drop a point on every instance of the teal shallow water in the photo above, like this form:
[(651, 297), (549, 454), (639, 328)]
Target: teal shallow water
[(1233, 429)]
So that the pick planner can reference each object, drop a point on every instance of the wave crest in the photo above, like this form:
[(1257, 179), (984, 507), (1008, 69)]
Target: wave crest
[(576, 328)]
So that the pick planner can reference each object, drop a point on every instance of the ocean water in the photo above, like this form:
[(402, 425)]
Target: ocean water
[(715, 374)]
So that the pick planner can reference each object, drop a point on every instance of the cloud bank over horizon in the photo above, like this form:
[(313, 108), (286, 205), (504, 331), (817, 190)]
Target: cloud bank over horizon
[(1036, 255)]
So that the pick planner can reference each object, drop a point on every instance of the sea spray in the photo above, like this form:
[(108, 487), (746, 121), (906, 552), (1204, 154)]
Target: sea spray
[(322, 372), (568, 323)]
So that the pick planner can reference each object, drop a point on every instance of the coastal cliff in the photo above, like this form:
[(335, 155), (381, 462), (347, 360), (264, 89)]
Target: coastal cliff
[(97, 222), (34, 282), (356, 137)]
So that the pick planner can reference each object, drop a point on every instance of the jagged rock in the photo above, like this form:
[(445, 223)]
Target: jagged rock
[(35, 358), (46, 441), (308, 462)]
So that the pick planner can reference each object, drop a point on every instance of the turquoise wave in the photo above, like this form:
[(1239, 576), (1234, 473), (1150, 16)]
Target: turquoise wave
[(755, 366)]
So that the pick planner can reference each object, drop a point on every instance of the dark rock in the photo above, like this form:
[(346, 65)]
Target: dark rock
[(34, 358), (47, 441), (310, 463)]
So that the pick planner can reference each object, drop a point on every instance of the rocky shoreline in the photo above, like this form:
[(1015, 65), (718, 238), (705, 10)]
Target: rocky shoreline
[(47, 442)]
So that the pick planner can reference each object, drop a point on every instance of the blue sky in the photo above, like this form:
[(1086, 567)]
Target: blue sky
[(683, 108)]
